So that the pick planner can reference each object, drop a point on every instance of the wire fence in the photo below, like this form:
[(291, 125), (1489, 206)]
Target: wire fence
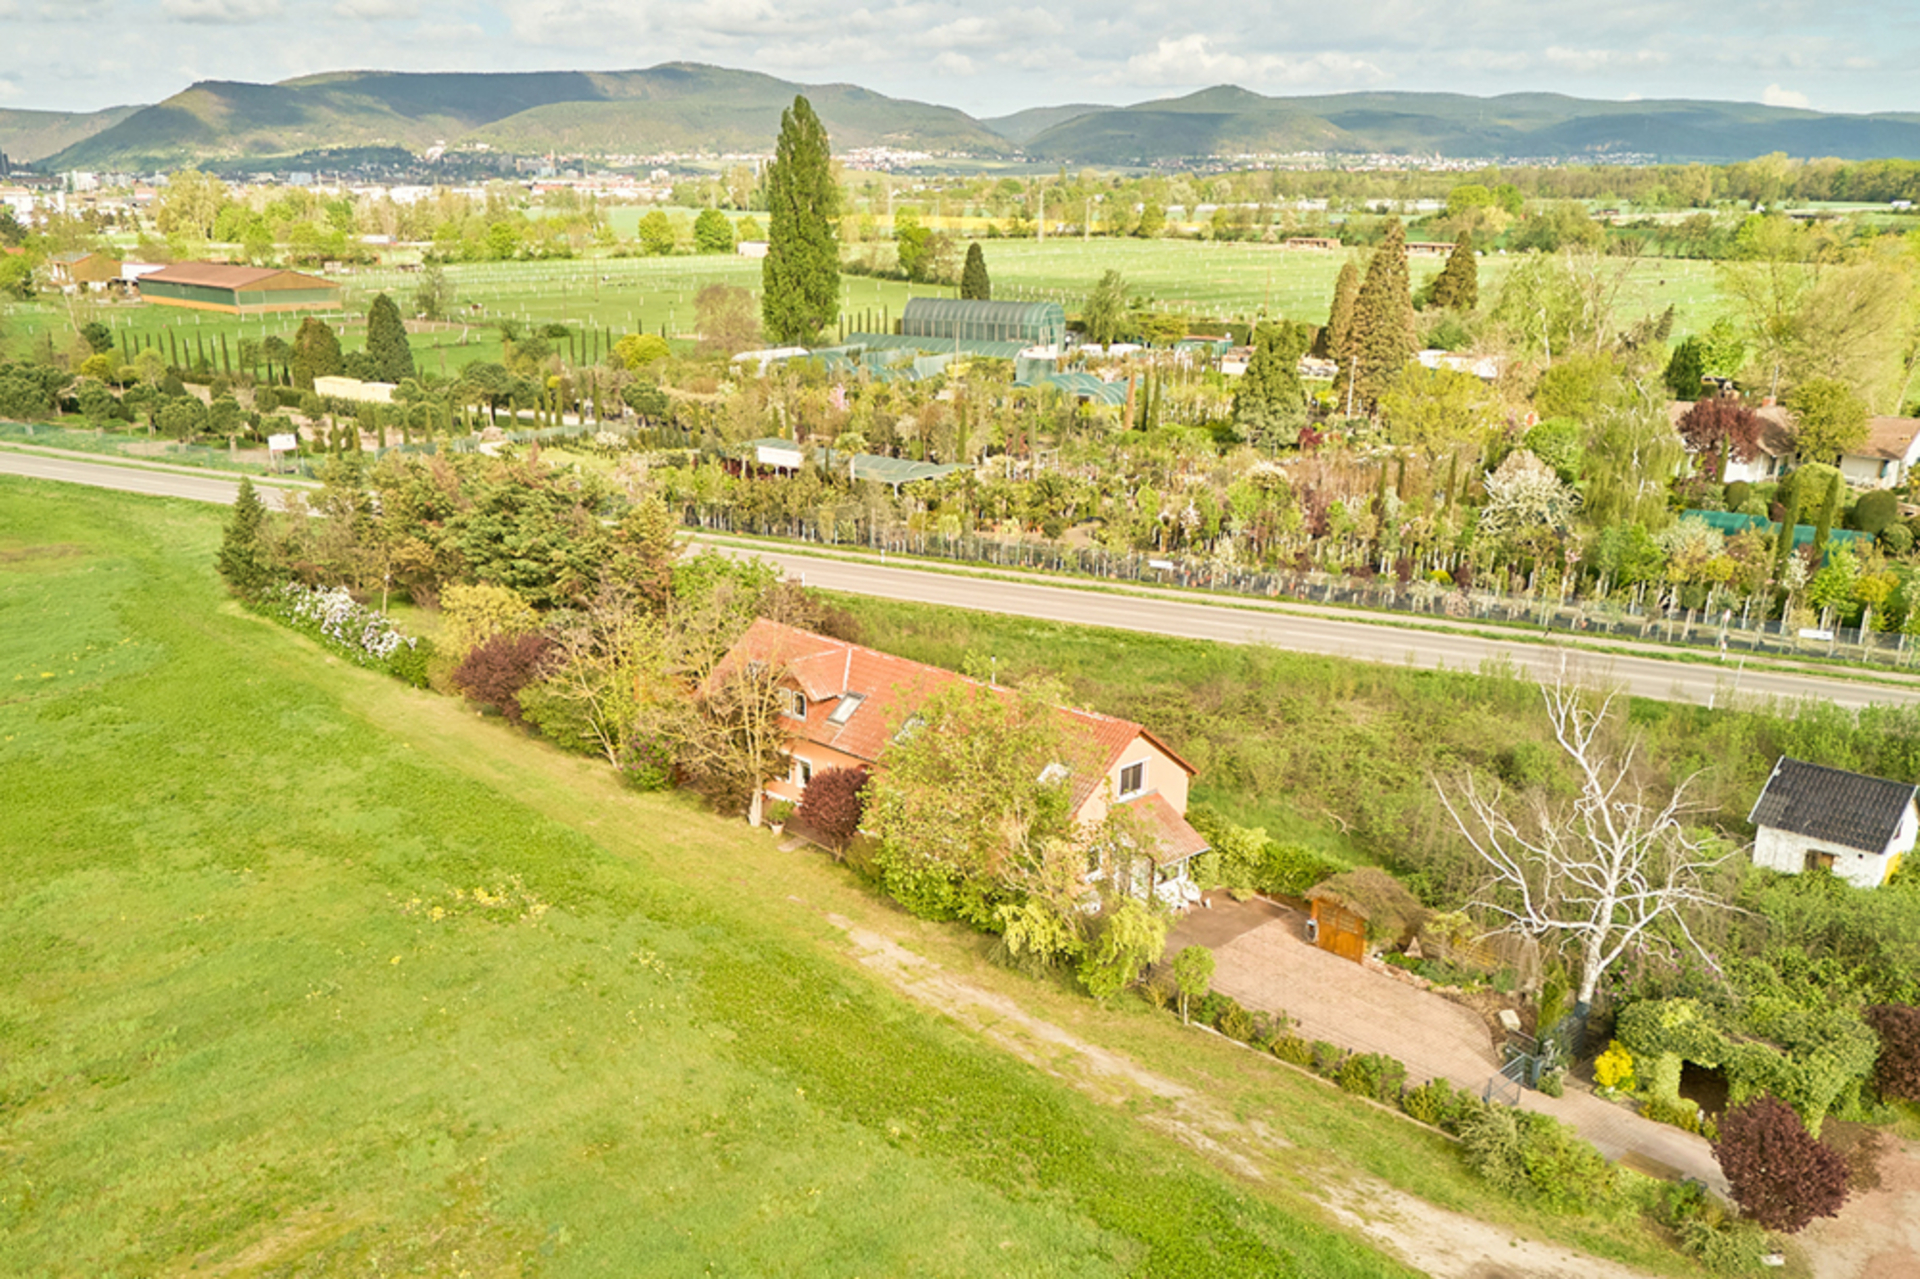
[(1731, 626)]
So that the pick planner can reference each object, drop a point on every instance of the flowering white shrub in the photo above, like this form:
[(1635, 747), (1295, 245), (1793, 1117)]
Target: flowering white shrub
[(364, 636)]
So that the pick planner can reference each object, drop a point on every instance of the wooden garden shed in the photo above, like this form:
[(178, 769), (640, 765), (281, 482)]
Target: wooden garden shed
[(1359, 907)]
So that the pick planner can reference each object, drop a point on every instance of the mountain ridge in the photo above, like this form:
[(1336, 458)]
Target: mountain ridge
[(693, 107), (1226, 121)]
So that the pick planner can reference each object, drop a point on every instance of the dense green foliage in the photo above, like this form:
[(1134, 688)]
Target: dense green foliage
[(316, 353), (712, 232), (243, 559), (800, 276), (1269, 406), (1457, 287), (974, 283), (1381, 337), (387, 348)]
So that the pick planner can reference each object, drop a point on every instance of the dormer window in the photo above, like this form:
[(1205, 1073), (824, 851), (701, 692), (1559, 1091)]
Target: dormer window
[(796, 703), (1133, 779)]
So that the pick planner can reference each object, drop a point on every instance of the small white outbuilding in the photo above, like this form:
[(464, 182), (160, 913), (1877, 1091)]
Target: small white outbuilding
[(1810, 817)]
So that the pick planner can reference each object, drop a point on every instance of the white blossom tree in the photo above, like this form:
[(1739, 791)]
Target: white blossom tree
[(1615, 871), (1524, 493)]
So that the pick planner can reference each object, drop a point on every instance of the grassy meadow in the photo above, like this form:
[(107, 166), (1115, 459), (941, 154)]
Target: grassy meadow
[(311, 972), (308, 972), (624, 295)]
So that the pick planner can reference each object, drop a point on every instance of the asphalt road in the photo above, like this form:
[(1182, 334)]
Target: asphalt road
[(1377, 642), (1374, 642), (155, 481)]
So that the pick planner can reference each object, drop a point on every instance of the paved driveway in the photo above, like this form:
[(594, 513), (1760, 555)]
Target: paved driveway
[(1262, 959)]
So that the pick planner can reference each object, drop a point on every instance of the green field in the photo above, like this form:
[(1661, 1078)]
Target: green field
[(312, 973), (309, 971), (655, 294)]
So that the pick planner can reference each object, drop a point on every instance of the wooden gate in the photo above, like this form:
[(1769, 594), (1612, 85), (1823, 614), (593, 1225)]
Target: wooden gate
[(1339, 930)]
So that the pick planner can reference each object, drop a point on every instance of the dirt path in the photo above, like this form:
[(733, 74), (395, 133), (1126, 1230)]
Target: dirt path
[(1446, 1245), (1877, 1235)]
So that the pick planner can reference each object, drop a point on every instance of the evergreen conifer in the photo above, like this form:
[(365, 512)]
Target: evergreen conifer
[(387, 342), (974, 284), (1270, 407), (243, 555), (1829, 511), (1339, 332), (800, 276), (1458, 288), (1382, 337), (316, 353)]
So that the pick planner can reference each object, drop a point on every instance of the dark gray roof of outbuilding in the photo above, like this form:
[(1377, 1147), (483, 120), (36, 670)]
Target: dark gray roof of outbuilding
[(1832, 805)]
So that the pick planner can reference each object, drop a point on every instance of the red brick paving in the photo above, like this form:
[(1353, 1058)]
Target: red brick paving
[(1263, 960)]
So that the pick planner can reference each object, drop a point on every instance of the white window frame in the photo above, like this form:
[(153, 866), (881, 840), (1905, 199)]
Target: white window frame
[(796, 703), (1141, 788), (802, 774)]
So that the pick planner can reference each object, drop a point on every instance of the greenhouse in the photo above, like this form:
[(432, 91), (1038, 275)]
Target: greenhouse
[(1029, 323)]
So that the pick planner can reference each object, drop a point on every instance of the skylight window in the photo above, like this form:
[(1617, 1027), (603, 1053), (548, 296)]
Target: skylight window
[(849, 703)]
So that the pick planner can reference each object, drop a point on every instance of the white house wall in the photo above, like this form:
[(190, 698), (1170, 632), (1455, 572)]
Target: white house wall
[(1867, 472), (1787, 853)]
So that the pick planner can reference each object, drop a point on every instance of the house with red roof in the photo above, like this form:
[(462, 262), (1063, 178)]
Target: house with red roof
[(847, 702), (1882, 460)]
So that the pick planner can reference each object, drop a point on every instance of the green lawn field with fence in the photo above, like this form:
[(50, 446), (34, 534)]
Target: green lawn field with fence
[(628, 294)]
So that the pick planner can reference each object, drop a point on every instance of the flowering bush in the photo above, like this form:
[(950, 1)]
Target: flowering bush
[(1614, 1067), (364, 636)]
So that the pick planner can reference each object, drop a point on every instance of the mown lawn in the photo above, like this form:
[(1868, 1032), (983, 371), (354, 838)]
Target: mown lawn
[(310, 973)]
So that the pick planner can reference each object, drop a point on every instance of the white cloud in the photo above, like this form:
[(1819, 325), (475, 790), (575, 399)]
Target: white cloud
[(221, 12), (951, 63), (376, 10), (1192, 59), (1589, 60), (1775, 96)]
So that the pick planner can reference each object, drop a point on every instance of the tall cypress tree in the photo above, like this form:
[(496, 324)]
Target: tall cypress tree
[(1829, 512), (800, 276), (1458, 288), (1382, 337), (387, 342), (1339, 334), (974, 284)]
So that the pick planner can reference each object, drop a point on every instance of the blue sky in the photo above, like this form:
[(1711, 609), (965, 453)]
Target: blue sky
[(991, 57)]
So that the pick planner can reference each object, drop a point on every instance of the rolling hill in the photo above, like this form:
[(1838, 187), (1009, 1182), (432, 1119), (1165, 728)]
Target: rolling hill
[(1022, 126), (32, 135), (1228, 121), (688, 107), (675, 106)]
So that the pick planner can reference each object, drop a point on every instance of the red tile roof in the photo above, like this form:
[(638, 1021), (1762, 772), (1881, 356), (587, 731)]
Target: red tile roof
[(1178, 841), (890, 688)]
